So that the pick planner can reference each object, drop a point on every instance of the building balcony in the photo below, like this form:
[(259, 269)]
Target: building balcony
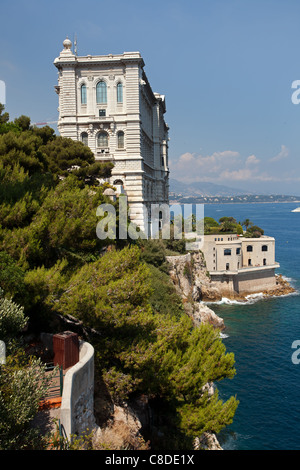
[(103, 154)]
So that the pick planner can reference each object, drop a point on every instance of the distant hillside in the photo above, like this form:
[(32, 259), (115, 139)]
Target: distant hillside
[(204, 189), (207, 193)]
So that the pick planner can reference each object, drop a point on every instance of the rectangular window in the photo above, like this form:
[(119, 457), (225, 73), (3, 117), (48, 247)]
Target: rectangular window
[(102, 112), (101, 93), (120, 140), (227, 252), (119, 93), (83, 94)]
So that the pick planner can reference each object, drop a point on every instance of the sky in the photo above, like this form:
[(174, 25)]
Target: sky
[(226, 68)]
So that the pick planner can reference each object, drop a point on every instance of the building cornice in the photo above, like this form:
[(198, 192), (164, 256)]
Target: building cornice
[(105, 60)]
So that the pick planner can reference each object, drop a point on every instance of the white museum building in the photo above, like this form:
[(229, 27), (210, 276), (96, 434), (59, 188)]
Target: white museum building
[(106, 102)]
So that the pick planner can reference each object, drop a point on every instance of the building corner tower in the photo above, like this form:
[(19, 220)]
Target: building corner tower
[(107, 103)]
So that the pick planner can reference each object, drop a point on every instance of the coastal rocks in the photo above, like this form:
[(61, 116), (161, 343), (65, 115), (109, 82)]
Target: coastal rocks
[(210, 293), (205, 315), (181, 274), (207, 441), (282, 288), (122, 432), (191, 279), (119, 427)]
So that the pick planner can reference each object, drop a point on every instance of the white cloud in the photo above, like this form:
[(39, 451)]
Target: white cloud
[(252, 160), (284, 153), (219, 166), (228, 166), (238, 175), (213, 163)]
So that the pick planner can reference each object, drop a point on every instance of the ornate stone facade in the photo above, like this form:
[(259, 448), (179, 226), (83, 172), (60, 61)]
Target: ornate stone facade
[(107, 102)]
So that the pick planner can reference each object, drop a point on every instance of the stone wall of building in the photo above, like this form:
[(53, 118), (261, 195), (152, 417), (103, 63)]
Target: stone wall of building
[(247, 281), (257, 280)]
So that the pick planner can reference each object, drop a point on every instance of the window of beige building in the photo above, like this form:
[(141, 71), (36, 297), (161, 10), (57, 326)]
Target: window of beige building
[(102, 139), (120, 138), (84, 138)]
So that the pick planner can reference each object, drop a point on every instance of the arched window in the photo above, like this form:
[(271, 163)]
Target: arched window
[(102, 139), (84, 138), (101, 92), (118, 182), (83, 94), (120, 140), (249, 248), (264, 248), (119, 93)]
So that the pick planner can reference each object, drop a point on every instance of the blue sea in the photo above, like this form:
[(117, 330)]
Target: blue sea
[(261, 334)]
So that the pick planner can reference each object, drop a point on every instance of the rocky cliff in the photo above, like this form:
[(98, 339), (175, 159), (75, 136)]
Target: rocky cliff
[(283, 287), (124, 426), (191, 279)]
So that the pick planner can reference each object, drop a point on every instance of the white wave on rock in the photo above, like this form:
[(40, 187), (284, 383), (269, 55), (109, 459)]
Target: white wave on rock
[(249, 299), (223, 335)]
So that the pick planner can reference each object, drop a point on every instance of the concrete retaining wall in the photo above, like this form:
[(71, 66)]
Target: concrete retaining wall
[(77, 407), (253, 281)]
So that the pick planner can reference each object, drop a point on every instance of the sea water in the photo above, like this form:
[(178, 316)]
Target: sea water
[(261, 333)]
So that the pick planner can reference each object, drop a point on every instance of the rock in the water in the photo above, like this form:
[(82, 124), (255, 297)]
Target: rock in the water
[(206, 315), (208, 441)]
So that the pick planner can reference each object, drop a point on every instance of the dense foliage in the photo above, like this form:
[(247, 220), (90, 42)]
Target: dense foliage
[(230, 225), (53, 263), (23, 383)]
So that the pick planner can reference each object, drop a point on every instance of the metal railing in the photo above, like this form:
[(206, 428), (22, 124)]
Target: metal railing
[(56, 389)]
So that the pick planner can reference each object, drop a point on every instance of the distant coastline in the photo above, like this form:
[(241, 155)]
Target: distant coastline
[(246, 199)]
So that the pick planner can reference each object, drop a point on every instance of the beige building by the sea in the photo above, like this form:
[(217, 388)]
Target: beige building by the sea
[(106, 102), (238, 264)]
